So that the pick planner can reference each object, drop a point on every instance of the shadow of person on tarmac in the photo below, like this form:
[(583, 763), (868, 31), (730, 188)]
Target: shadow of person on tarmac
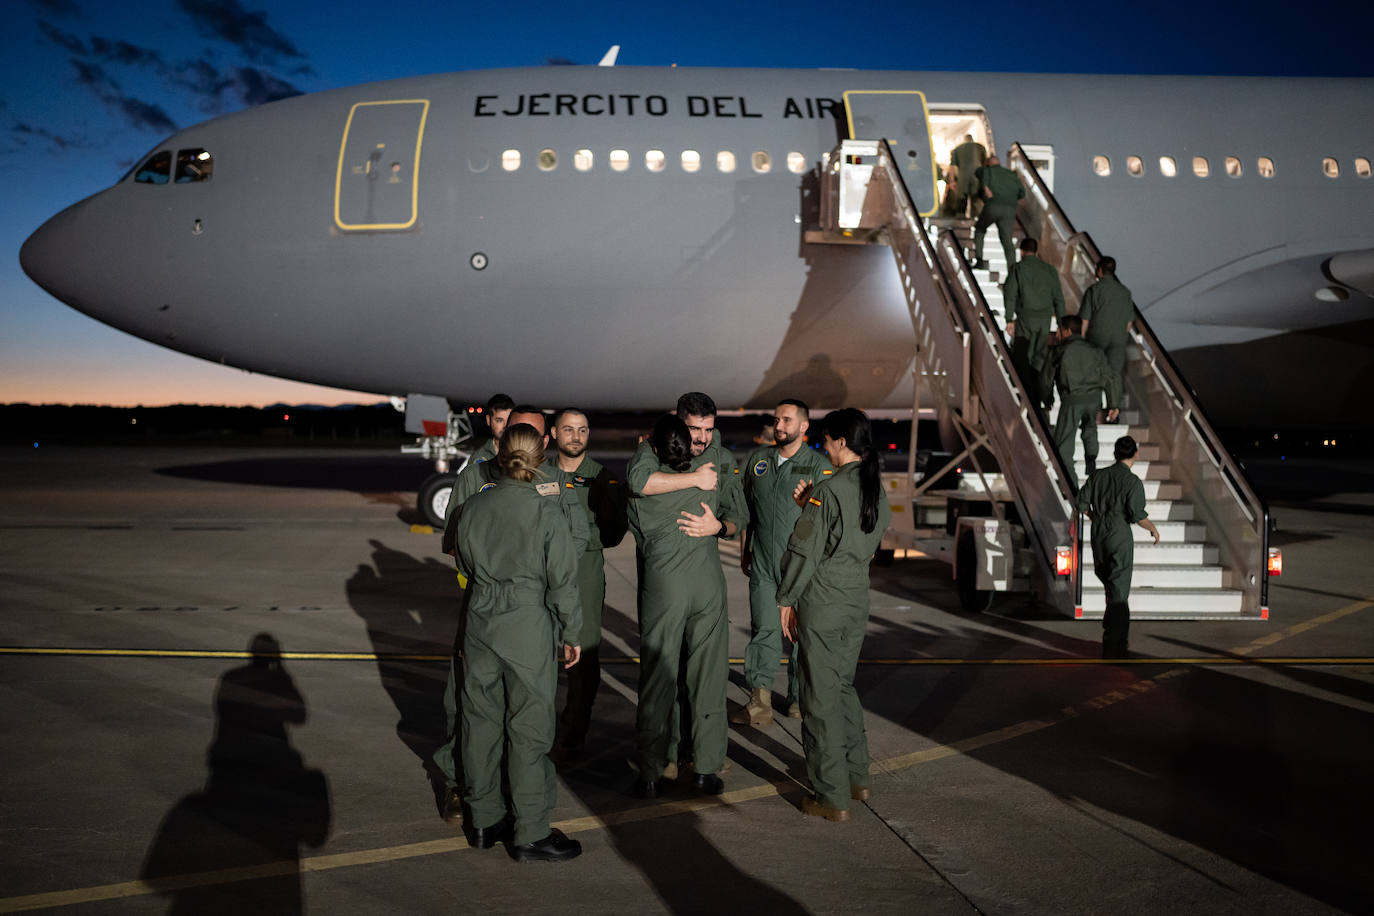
[(410, 607), (259, 804)]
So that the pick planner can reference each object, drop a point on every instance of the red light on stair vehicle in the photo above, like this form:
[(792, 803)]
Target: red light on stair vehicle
[(1275, 561), (1063, 561)]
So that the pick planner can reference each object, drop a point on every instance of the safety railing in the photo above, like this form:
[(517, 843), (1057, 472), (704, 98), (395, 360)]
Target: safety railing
[(1000, 402), (1237, 517)]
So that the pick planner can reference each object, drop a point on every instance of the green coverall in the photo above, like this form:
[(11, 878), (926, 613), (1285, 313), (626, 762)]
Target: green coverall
[(1107, 307), (514, 547), (1116, 498), (1000, 209), (825, 577), (968, 158), (768, 485), (682, 613), (474, 478), (1081, 373), (602, 498), (1032, 294)]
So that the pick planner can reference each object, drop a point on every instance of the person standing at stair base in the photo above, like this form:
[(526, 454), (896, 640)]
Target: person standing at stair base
[(1032, 295), (1000, 189), (1080, 372), (1114, 499)]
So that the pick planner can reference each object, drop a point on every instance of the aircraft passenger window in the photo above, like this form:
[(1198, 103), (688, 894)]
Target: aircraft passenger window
[(1167, 167), (1135, 166), (1102, 166), (725, 161), (1233, 168), (1265, 167), (548, 160), (1362, 167), (157, 169), (654, 160), (582, 160), (691, 160), (761, 161), (510, 160), (194, 165), (1331, 168), (1200, 167), (620, 160), (796, 163)]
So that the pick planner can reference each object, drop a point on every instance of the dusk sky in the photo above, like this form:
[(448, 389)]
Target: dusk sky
[(87, 88)]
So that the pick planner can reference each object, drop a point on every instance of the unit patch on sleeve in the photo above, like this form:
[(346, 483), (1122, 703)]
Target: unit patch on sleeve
[(761, 467), (485, 487)]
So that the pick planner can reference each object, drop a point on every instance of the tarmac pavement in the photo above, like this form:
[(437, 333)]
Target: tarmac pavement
[(152, 762)]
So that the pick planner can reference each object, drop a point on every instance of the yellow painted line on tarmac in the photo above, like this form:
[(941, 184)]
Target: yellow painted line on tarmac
[(645, 812), (421, 529), (1057, 662), (1303, 627)]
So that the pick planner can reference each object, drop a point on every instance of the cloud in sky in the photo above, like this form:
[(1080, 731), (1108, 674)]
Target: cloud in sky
[(57, 7), (246, 30)]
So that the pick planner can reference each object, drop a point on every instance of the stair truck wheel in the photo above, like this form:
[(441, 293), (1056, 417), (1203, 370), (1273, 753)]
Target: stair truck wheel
[(432, 500)]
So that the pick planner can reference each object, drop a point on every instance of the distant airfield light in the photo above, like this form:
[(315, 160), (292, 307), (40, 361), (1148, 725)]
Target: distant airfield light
[(35, 445), (285, 417), (133, 421)]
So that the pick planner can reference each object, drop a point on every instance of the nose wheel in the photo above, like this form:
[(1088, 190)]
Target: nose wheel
[(433, 497)]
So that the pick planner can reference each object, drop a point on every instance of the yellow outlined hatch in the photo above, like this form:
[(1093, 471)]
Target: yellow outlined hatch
[(894, 123), (377, 186)]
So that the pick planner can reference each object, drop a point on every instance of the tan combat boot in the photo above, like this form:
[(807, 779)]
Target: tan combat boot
[(758, 711)]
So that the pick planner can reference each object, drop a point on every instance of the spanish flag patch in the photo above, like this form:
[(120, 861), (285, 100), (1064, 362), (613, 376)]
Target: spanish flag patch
[(827, 473), (814, 501)]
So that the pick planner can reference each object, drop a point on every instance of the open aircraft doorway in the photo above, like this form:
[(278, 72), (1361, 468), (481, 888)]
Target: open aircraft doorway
[(950, 124)]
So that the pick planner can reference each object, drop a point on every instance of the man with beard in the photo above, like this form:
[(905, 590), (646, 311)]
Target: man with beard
[(602, 500), (771, 475)]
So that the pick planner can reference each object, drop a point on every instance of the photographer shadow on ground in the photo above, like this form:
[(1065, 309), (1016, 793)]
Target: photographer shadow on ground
[(235, 845)]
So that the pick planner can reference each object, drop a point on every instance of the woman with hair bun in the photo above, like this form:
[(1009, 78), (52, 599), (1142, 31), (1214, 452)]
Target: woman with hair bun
[(823, 602), (514, 547)]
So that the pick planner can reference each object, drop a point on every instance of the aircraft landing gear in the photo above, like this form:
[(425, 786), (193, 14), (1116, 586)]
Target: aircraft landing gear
[(432, 500)]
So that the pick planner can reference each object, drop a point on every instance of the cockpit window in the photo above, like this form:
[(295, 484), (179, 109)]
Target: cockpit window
[(156, 169), (194, 165)]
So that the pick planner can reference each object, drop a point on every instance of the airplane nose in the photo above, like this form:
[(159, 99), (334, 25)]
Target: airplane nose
[(47, 255)]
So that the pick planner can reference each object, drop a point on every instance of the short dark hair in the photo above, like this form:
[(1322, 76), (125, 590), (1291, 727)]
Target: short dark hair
[(1125, 448), (558, 416), (1074, 323), (695, 404), (531, 409), (800, 405), (1029, 245), (1107, 266), (500, 402)]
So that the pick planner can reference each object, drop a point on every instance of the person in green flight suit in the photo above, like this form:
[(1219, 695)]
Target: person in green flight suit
[(1000, 190), (823, 603), (1032, 296), (770, 475), (602, 498), (1082, 375), (476, 478), (682, 604), (1107, 310), (499, 407), (967, 158), (514, 547), (645, 478), (1114, 498)]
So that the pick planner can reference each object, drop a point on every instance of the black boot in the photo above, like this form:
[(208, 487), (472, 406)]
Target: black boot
[(553, 848)]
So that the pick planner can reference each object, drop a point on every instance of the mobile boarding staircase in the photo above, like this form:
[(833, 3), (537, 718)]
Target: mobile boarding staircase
[(1213, 559)]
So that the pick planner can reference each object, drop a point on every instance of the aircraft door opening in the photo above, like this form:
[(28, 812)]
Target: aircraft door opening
[(950, 124), (377, 184), (899, 116)]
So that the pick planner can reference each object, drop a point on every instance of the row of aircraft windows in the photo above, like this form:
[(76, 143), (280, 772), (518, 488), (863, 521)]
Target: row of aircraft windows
[(655, 160), (1264, 166)]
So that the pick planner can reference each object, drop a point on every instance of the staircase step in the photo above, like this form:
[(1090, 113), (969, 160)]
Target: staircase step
[(1147, 451), (1145, 470), (1167, 603), (1159, 576), (1166, 554), (1170, 531)]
